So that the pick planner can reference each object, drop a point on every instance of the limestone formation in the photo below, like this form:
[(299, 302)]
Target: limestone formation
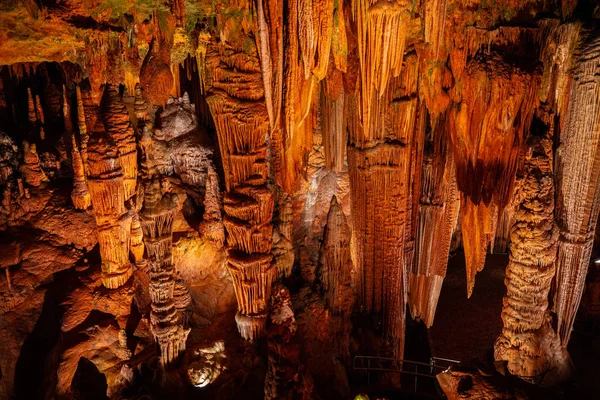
[(438, 215), (335, 264), (241, 120), (486, 154), (157, 218), (352, 150), (282, 372), (528, 343), (31, 170), (112, 179), (379, 166), (578, 182)]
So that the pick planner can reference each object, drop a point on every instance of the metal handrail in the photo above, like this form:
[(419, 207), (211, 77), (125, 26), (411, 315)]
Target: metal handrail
[(359, 361)]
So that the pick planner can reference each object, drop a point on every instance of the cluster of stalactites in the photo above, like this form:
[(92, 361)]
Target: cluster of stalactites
[(157, 217), (381, 30), (578, 182), (438, 215), (486, 152), (242, 123), (315, 44), (112, 175)]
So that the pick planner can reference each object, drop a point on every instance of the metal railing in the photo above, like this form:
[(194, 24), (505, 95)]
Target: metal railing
[(414, 368)]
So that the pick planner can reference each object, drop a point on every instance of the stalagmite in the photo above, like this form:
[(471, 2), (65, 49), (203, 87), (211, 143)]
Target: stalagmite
[(528, 343), (31, 170), (281, 381), (211, 225), (486, 153), (438, 215), (578, 182), (140, 106), (236, 101), (157, 218), (335, 264)]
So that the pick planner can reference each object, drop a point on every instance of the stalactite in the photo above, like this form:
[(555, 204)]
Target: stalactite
[(578, 182), (86, 118), (381, 30), (528, 343), (334, 121), (438, 215), (235, 95), (486, 152), (435, 15), (156, 217), (502, 234)]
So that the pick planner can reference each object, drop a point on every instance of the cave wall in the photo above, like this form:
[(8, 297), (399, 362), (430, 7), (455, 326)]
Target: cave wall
[(211, 148)]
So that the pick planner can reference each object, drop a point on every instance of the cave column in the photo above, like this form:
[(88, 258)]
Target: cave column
[(578, 183), (379, 162), (112, 177), (236, 98), (156, 220)]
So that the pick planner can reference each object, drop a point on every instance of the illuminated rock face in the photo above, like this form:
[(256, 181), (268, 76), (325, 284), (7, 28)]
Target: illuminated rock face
[(236, 101), (355, 139)]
